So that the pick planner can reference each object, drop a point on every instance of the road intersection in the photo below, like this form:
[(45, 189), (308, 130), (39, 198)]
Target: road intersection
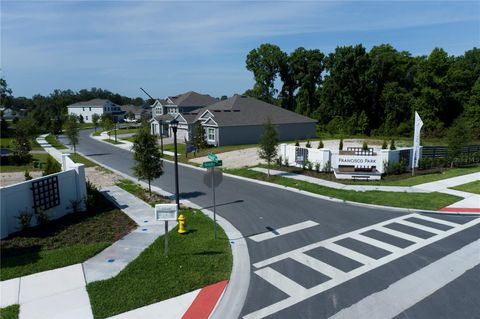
[(313, 258)]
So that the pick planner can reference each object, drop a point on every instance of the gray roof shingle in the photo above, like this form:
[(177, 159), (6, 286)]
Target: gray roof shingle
[(243, 110), (94, 102)]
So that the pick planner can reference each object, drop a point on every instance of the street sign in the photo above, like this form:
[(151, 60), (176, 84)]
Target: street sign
[(208, 180), (212, 157), (166, 212), (212, 164)]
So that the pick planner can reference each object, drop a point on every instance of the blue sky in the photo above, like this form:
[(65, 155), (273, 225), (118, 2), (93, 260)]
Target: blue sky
[(172, 47)]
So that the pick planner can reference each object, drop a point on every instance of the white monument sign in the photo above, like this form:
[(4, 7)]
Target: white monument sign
[(166, 212)]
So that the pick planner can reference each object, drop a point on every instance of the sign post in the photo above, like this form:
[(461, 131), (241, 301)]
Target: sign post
[(166, 212), (215, 162)]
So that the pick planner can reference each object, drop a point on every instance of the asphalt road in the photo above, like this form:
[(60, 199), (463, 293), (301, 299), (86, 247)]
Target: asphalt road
[(283, 289)]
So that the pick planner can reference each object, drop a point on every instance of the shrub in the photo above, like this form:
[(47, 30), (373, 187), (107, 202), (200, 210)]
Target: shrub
[(51, 167), (308, 144), (42, 216), (75, 205), (27, 175), (24, 219), (396, 168), (384, 145), (278, 160), (340, 146), (317, 167), (297, 143), (285, 161), (320, 144), (309, 166), (365, 146), (327, 167), (304, 164), (392, 145)]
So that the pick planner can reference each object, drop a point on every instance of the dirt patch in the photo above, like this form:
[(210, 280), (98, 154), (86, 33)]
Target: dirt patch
[(100, 177), (236, 159), (11, 178)]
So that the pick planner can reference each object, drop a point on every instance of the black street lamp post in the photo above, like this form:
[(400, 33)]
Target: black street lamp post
[(161, 134), (174, 125)]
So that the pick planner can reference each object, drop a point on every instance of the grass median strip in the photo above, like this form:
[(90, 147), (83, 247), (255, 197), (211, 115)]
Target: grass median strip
[(473, 187), (111, 141), (52, 140), (195, 260), (68, 240), (427, 201), (142, 193)]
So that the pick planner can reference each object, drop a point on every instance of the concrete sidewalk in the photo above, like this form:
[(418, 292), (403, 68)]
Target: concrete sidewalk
[(115, 258), (470, 202), (56, 154)]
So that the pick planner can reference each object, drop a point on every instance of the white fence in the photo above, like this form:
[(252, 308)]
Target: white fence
[(19, 197), (324, 156)]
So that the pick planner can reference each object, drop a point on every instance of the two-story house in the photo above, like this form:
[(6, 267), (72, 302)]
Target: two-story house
[(96, 106)]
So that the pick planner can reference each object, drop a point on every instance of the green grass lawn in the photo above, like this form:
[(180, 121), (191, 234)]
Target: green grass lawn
[(97, 133), (390, 180), (52, 140), (111, 141), (68, 240), (142, 193), (125, 131), (10, 312), (41, 158), (195, 260), (7, 142), (473, 187), (427, 201), (77, 158)]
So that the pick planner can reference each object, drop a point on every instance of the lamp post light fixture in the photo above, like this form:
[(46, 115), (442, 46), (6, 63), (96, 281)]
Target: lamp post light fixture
[(115, 132), (174, 125), (161, 134)]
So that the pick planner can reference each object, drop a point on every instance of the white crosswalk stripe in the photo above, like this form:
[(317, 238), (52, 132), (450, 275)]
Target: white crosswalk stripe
[(298, 293), (419, 226)]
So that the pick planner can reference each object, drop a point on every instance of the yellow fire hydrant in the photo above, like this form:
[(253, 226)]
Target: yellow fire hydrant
[(181, 225)]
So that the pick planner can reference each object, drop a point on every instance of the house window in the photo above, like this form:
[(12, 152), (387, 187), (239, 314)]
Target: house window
[(90, 109), (86, 118), (211, 134), (83, 109)]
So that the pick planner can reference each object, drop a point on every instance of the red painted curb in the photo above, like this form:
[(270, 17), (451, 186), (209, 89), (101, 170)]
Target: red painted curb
[(207, 298), (460, 209)]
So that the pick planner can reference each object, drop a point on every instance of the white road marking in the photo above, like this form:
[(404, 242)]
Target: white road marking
[(419, 226), (437, 220), (376, 243), (318, 265), (400, 234), (406, 292), (280, 281), (308, 293), (283, 231), (352, 254)]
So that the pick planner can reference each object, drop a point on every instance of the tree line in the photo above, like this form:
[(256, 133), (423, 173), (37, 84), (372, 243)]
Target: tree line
[(355, 91)]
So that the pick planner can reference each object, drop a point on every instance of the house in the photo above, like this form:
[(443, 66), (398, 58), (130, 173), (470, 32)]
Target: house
[(11, 113), (165, 110), (239, 120), (137, 110), (96, 106)]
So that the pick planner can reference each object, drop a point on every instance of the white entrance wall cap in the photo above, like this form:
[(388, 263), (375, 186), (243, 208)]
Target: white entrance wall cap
[(166, 212)]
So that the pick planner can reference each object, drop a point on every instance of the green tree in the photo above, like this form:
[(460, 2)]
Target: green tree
[(95, 120), (24, 132), (264, 62), (147, 158), (72, 131), (5, 93), (131, 115), (458, 137), (199, 136), (107, 124), (268, 144)]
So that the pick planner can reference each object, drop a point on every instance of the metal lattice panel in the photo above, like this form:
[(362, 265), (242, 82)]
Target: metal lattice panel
[(45, 193)]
